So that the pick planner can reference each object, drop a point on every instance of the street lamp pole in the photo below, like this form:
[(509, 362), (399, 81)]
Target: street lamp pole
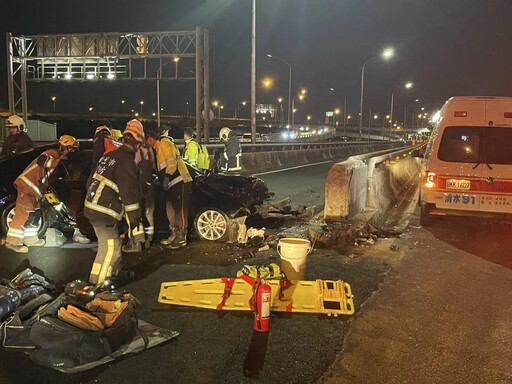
[(289, 82), (253, 74), (407, 86), (386, 54)]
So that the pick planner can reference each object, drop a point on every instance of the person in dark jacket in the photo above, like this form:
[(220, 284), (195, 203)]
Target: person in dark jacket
[(113, 193), (231, 161), (17, 141), (103, 143)]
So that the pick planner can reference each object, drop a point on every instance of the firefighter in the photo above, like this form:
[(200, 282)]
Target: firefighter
[(112, 191), (31, 186), (145, 161), (17, 141), (231, 159), (102, 144), (176, 183)]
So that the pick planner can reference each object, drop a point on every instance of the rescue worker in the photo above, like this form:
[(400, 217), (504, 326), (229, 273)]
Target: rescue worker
[(17, 141), (176, 183), (192, 149), (112, 191), (145, 161), (231, 159), (31, 186), (102, 144)]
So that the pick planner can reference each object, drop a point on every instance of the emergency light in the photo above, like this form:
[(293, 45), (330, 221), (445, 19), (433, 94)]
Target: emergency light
[(431, 180), (460, 114)]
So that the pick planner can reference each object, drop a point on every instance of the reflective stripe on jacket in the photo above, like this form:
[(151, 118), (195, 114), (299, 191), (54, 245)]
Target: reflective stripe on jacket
[(168, 157), (112, 189), (191, 152)]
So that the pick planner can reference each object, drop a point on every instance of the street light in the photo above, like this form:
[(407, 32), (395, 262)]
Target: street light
[(141, 104), (407, 85), (289, 82), (386, 54), (301, 97), (54, 99), (267, 83)]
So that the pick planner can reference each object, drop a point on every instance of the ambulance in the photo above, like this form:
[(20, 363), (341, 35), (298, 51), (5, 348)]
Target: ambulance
[(468, 160)]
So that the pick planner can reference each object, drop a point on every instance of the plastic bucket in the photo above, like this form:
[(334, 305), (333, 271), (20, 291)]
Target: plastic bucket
[(294, 253)]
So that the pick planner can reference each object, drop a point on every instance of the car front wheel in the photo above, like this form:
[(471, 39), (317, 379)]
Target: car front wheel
[(212, 224)]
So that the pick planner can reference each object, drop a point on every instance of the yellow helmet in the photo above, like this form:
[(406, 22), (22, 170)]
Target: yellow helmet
[(224, 133), (68, 141), (134, 128)]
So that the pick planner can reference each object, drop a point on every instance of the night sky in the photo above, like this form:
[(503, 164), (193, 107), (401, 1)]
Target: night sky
[(445, 47)]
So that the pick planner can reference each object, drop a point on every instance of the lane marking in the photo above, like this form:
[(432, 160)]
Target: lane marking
[(288, 169)]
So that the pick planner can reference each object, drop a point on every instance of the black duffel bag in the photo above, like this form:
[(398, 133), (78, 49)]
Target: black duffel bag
[(62, 345)]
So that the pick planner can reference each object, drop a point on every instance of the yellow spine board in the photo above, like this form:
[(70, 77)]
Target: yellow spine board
[(320, 296)]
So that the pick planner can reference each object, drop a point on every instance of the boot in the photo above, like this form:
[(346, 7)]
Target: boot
[(147, 243), (132, 247), (17, 248), (170, 239), (123, 277), (180, 240), (30, 242)]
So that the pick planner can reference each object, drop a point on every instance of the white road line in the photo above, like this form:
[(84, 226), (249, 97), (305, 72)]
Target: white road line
[(288, 169)]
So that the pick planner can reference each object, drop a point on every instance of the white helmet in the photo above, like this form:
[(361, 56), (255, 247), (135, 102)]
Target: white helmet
[(224, 133), (15, 121)]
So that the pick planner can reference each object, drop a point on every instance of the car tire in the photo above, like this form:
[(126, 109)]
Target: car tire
[(8, 214), (212, 224)]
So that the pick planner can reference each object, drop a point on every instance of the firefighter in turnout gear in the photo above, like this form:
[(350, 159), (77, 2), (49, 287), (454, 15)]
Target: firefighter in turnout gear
[(103, 143), (113, 193), (176, 183), (231, 160), (17, 141), (31, 186)]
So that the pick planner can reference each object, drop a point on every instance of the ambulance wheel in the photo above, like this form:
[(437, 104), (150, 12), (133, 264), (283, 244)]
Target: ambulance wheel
[(8, 215), (212, 224)]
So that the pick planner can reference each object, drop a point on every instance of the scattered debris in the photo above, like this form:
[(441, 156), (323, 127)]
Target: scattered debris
[(264, 248), (394, 247)]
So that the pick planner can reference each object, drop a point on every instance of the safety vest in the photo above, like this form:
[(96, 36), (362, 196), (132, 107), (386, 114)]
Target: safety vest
[(168, 157)]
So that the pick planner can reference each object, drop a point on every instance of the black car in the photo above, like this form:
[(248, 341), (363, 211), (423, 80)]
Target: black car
[(217, 199)]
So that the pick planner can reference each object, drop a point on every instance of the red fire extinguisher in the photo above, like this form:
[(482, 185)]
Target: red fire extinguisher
[(262, 296)]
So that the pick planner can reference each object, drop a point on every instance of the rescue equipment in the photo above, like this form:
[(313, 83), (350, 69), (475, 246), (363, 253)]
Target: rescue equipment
[(320, 296)]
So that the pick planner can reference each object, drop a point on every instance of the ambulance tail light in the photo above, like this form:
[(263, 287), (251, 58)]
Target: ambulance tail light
[(508, 115), (460, 114), (430, 180)]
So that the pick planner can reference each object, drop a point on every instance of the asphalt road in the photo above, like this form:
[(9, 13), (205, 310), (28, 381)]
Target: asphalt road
[(211, 347)]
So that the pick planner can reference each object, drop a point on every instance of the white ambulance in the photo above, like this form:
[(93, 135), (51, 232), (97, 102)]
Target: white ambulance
[(468, 160)]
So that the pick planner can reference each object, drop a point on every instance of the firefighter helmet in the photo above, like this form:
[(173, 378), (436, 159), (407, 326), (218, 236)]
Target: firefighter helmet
[(102, 128), (68, 141), (15, 121), (165, 135), (224, 133), (135, 129)]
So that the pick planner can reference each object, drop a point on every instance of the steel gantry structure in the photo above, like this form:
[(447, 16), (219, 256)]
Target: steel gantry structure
[(109, 57)]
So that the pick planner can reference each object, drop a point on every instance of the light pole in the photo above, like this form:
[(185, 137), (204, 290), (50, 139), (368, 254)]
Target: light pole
[(141, 104), (54, 99), (289, 82), (407, 86), (188, 110), (386, 54), (253, 74), (158, 77), (301, 97)]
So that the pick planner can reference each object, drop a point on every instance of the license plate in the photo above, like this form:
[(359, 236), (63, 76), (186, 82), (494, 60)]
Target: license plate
[(460, 185)]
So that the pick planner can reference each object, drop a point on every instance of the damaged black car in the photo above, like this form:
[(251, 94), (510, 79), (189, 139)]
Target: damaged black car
[(219, 201)]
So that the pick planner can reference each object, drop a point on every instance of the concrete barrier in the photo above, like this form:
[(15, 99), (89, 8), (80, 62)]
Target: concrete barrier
[(371, 181)]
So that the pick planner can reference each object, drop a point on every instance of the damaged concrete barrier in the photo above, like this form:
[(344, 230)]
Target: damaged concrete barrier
[(371, 182)]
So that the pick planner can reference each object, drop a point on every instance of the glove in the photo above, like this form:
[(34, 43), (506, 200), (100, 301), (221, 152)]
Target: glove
[(138, 235)]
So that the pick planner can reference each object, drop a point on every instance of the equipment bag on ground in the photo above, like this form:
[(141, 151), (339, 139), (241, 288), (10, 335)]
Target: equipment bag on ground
[(62, 344)]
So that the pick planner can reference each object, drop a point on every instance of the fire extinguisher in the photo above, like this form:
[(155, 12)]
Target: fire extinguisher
[(262, 296)]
